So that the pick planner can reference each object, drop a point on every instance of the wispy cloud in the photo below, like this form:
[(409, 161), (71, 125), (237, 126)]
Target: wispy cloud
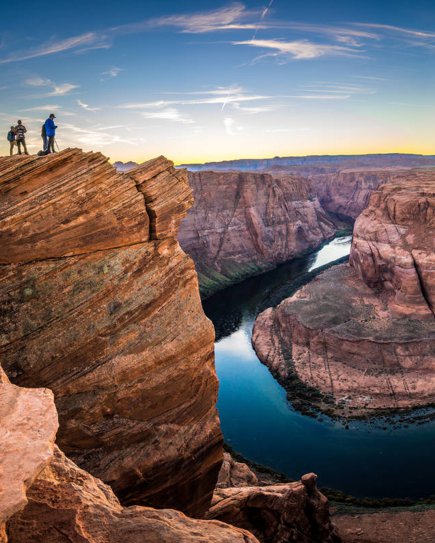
[(254, 110), (87, 107), (88, 40), (167, 114), (111, 73), (52, 108), (232, 17), (218, 96), (95, 137), (300, 49), (345, 40), (326, 87), (57, 89), (422, 34)]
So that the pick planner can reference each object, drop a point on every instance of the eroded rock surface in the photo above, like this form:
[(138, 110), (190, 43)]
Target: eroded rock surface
[(346, 193), (363, 335), (235, 473), (393, 248), (101, 305), (68, 505), (245, 223), (28, 425), (277, 513)]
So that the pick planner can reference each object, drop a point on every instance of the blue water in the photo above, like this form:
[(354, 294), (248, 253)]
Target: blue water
[(377, 458)]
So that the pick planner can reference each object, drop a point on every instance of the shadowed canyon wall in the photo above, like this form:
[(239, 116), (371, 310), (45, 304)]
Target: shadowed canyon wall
[(242, 224), (101, 305)]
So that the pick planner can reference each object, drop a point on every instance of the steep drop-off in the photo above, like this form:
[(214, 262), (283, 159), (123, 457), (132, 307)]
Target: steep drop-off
[(242, 224), (101, 305), (363, 335)]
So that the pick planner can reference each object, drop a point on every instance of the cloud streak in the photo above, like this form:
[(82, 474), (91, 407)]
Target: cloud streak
[(300, 49), (167, 114), (57, 89), (87, 107)]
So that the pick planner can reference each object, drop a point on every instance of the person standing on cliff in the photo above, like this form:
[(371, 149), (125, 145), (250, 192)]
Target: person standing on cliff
[(11, 140), (50, 131), (20, 137)]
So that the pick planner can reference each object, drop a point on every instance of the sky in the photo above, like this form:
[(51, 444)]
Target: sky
[(214, 80)]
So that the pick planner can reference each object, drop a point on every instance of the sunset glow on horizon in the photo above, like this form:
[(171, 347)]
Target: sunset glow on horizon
[(216, 80)]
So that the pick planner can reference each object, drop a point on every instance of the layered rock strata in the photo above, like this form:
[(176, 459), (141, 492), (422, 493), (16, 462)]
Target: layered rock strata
[(393, 249), (344, 194), (245, 223), (101, 305), (363, 335)]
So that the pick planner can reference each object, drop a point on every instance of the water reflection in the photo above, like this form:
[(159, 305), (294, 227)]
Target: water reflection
[(367, 459)]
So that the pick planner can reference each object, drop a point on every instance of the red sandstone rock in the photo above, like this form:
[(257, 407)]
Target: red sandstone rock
[(234, 473), (277, 513), (28, 425), (346, 193), (111, 321), (366, 348), (244, 223), (393, 247), (68, 505), (168, 196)]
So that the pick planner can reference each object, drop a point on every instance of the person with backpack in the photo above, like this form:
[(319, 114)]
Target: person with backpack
[(11, 140), (20, 137), (44, 138), (50, 131)]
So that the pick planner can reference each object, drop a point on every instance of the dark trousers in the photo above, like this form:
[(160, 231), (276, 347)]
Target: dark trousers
[(44, 143), (23, 143), (50, 144)]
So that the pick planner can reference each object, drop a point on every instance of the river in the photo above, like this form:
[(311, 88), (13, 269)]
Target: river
[(377, 458)]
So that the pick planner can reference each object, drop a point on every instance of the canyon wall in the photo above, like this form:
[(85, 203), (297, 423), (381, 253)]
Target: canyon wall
[(362, 335), (393, 247), (101, 305), (242, 224), (346, 193)]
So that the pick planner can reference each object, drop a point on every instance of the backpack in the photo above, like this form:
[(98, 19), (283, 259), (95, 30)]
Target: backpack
[(11, 136)]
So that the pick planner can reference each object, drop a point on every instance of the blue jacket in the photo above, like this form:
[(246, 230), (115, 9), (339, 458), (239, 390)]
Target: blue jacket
[(50, 127)]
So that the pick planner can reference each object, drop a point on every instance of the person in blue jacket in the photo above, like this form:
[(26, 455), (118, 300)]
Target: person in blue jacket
[(50, 131)]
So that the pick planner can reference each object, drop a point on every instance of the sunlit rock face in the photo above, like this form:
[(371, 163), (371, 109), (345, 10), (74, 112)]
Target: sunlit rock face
[(393, 248), (28, 425), (68, 505), (363, 334), (101, 305), (243, 223)]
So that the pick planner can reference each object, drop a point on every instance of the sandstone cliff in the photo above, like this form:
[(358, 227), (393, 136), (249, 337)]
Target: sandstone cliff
[(346, 193), (101, 305), (393, 248), (363, 335), (245, 223)]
